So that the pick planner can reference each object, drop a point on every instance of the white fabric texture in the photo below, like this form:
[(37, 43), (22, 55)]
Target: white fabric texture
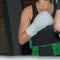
[(41, 21)]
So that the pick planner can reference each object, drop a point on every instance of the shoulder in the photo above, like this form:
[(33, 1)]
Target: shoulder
[(27, 9), (27, 12)]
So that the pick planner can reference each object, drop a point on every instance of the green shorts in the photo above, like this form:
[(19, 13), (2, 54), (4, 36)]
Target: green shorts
[(55, 49)]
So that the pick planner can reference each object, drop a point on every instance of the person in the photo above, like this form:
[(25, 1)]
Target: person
[(44, 40)]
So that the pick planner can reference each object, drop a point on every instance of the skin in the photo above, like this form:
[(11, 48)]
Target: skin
[(26, 18), (57, 21)]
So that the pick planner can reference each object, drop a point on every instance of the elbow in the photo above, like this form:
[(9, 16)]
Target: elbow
[(23, 38), (20, 40)]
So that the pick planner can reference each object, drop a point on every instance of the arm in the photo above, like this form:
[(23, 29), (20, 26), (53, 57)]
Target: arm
[(26, 31), (24, 23), (57, 18), (57, 21), (41, 21)]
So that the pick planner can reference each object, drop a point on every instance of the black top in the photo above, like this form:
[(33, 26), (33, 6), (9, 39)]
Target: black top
[(45, 36), (35, 12)]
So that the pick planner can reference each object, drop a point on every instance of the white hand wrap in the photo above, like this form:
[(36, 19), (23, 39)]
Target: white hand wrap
[(41, 21)]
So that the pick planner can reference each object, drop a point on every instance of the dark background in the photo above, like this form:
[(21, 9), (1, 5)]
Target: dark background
[(10, 11)]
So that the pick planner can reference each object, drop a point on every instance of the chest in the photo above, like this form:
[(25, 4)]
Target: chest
[(36, 11)]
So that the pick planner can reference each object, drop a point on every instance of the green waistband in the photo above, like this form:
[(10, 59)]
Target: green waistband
[(55, 48)]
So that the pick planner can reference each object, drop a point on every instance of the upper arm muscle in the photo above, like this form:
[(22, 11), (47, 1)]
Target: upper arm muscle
[(25, 20)]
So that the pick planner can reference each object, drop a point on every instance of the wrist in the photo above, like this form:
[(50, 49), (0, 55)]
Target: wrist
[(31, 30)]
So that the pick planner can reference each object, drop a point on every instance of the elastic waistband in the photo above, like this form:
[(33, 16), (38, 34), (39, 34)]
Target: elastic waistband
[(51, 49)]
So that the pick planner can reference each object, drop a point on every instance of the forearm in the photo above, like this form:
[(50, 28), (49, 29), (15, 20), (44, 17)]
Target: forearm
[(57, 21), (57, 17), (23, 38)]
